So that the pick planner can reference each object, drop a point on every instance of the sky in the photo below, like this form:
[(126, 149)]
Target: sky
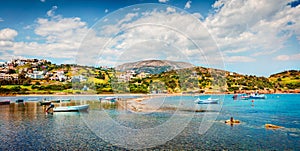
[(244, 36)]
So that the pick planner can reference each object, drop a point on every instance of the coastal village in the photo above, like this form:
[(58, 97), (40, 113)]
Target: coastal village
[(34, 76)]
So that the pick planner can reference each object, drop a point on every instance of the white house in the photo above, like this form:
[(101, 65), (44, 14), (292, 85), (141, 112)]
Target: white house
[(36, 75)]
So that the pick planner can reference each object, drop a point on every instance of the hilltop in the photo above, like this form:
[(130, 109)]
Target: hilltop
[(153, 66), (289, 79)]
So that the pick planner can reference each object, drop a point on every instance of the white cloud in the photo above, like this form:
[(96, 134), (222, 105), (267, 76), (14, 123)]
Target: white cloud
[(232, 59), (106, 10), (128, 18), (239, 27), (288, 57), (188, 4), (171, 10), (6, 43), (58, 29), (7, 34), (136, 9), (163, 1), (261, 27), (61, 37), (198, 15), (1, 20), (162, 34), (51, 12)]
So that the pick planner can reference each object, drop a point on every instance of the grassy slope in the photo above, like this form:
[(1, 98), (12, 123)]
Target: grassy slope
[(279, 79)]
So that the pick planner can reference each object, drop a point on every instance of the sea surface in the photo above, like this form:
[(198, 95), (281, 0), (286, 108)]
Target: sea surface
[(25, 126)]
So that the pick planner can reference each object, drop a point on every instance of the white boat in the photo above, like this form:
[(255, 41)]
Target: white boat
[(65, 100), (207, 101), (71, 108), (257, 96), (108, 99)]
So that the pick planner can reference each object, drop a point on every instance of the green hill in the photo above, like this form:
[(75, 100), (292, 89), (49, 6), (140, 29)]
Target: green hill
[(286, 80), (150, 76)]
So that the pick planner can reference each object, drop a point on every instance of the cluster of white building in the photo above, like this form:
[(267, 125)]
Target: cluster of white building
[(130, 74), (33, 72)]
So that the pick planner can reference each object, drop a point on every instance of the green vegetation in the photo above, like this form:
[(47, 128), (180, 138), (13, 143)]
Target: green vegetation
[(101, 80), (286, 80)]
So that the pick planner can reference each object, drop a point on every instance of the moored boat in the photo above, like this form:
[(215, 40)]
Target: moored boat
[(108, 99), (55, 101), (71, 108), (19, 101), (257, 96), (65, 100), (271, 126), (245, 97), (45, 102), (207, 101), (5, 102)]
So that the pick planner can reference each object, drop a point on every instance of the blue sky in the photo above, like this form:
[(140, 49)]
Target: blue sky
[(248, 37)]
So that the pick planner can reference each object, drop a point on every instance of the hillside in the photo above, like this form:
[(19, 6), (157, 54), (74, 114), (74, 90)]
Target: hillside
[(288, 79), (153, 66), (33, 76)]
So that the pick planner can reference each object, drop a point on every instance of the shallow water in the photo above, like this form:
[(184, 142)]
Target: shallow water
[(25, 126)]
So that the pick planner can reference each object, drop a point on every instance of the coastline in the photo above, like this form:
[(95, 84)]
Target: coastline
[(162, 94)]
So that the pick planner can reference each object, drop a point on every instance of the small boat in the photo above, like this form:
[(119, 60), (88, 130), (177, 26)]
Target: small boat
[(207, 101), (108, 99), (32, 99), (232, 122), (19, 101), (5, 102), (45, 102), (65, 100), (245, 97), (271, 126), (71, 108), (235, 97), (55, 101), (257, 96)]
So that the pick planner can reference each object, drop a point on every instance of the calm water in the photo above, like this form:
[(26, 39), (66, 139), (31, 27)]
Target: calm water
[(25, 126)]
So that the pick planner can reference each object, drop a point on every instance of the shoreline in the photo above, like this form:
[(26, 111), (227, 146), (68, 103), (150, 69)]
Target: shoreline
[(134, 94)]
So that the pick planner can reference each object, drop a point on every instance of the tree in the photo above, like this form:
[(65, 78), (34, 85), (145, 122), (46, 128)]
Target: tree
[(11, 71), (171, 84), (228, 84)]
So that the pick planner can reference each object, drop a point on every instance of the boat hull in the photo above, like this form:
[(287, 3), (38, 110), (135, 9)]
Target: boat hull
[(5, 102), (45, 103), (257, 97), (71, 108), (208, 101), (19, 101), (55, 101), (65, 100)]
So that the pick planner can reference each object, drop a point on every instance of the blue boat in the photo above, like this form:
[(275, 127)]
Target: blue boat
[(19, 101), (257, 96)]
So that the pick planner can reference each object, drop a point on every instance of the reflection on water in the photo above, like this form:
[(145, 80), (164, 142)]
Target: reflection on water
[(25, 126)]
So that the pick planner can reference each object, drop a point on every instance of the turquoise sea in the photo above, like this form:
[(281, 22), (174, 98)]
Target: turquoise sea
[(25, 126)]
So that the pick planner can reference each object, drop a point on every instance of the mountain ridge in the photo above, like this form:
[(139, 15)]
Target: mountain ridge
[(153, 66)]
